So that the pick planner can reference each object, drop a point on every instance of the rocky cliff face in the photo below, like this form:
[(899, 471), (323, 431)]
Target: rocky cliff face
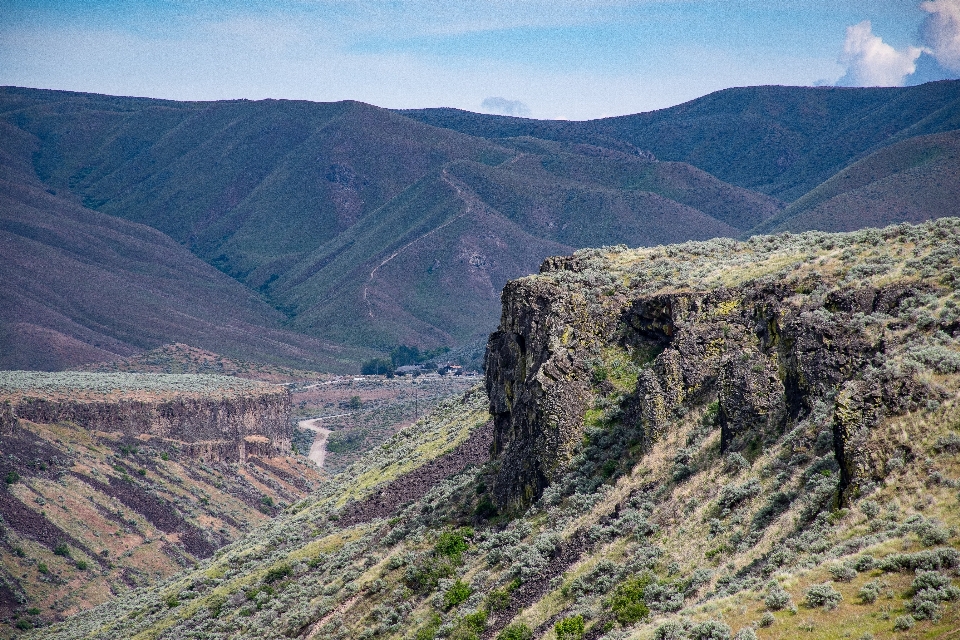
[(772, 330), (222, 426)]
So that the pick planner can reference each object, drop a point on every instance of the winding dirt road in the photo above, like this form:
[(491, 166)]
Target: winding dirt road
[(318, 450)]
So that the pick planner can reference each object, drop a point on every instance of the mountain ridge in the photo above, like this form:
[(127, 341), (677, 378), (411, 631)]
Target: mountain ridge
[(300, 202)]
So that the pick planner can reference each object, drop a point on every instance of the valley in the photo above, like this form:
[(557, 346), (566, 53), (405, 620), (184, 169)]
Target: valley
[(750, 439), (114, 481), (690, 374)]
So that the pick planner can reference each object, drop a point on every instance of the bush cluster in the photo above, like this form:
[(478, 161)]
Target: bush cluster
[(823, 595)]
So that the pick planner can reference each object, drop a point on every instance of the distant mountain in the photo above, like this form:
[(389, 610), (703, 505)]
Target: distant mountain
[(782, 141), (79, 286), (361, 225), (912, 181), (347, 224)]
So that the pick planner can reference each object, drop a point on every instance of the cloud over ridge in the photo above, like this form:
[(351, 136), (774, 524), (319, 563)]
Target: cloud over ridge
[(504, 107), (871, 62), (941, 32)]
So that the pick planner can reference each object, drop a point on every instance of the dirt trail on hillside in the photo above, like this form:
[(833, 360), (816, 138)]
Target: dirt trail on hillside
[(318, 450), (471, 201)]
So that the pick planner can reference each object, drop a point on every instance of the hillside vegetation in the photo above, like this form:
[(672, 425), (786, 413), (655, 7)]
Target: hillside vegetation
[(905, 182), (92, 506), (80, 286), (691, 441), (348, 229), (782, 141)]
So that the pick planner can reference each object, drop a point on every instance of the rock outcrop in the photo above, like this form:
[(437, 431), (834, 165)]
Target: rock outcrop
[(228, 428), (768, 329)]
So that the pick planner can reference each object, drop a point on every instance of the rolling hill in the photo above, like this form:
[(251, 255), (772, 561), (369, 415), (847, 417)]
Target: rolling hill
[(80, 286), (365, 227), (782, 141), (360, 225), (911, 181)]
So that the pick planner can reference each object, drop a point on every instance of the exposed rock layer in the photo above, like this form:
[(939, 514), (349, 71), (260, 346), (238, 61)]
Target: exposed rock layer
[(767, 349), (224, 428)]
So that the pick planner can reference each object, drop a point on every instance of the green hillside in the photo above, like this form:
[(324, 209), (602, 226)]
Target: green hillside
[(79, 286), (911, 181), (302, 201), (782, 141)]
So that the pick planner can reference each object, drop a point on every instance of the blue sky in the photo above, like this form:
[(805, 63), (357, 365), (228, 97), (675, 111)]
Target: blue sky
[(561, 59)]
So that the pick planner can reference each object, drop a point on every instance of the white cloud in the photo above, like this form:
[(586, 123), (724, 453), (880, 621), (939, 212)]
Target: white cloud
[(873, 63), (504, 107), (941, 32)]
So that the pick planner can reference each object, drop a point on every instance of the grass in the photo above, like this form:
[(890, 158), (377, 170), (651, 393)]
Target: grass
[(72, 385)]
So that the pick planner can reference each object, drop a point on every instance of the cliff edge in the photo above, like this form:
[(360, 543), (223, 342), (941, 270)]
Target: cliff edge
[(771, 330)]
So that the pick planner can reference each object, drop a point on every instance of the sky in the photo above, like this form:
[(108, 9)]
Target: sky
[(569, 59)]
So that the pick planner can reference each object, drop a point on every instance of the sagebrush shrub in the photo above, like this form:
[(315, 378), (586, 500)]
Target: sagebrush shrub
[(823, 595), (903, 623), (777, 598), (869, 592), (843, 572)]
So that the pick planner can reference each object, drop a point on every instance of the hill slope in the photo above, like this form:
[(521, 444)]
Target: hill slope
[(782, 141), (911, 181), (688, 440), (302, 201), (79, 286)]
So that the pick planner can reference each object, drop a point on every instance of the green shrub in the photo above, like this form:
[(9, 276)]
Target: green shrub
[(43, 568), (12, 478), (425, 575), (82, 565), (517, 631), (627, 602), (62, 550), (33, 611), (486, 509), (457, 594), (499, 599), (470, 627), (277, 573), (452, 544), (823, 595), (571, 628), (429, 630), (24, 624)]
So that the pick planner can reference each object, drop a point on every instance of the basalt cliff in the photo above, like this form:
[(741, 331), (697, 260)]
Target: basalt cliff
[(227, 423), (770, 330)]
